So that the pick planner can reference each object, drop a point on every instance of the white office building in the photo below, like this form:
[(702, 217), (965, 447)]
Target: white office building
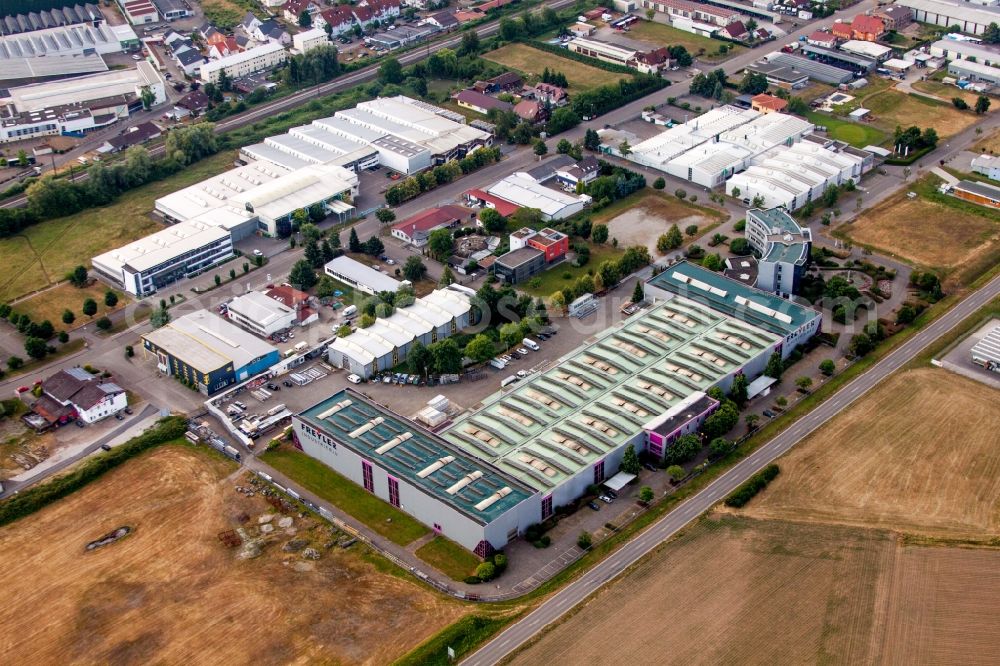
[(522, 190), (617, 55), (987, 165), (261, 314), (258, 59)]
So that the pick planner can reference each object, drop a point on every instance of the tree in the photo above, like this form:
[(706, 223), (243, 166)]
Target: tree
[(738, 390), (630, 461), (160, 317), (638, 295), (447, 356), (15, 362), (480, 348), (646, 495), (385, 216), (35, 347), (302, 275), (804, 383), (659, 184), (691, 230), (510, 335), (492, 220), (470, 44), (104, 323), (89, 307), (390, 71), (740, 246), (775, 366), (129, 351), (599, 234), (827, 367), (563, 147), (353, 243), (591, 140), (959, 103), (68, 317), (218, 280), (414, 269), (148, 97), (374, 246), (540, 148), (78, 277), (447, 277), (676, 472), (440, 243), (624, 149), (713, 262), (110, 298), (982, 104), (584, 541)]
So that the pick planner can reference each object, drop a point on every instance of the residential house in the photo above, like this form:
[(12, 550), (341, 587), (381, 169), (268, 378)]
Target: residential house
[(416, 230), (272, 32), (530, 110), (292, 9), (895, 17), (444, 20), (250, 23), (190, 61), (867, 28), (822, 38), (480, 103), (226, 47), (507, 81), (652, 62), (210, 35), (299, 301), (764, 103), (735, 30), (842, 30), (584, 171), (193, 104), (546, 92), (132, 136), (340, 19), (368, 12), (76, 394)]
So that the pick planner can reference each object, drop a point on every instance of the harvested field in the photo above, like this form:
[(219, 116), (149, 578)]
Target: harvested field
[(932, 230), (944, 608), (918, 454), (532, 61), (735, 591), (892, 108), (989, 144), (171, 592), (651, 215)]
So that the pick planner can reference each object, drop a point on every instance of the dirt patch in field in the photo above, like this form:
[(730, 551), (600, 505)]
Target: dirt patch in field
[(919, 454), (650, 217), (927, 232), (735, 591), (944, 608), (171, 592)]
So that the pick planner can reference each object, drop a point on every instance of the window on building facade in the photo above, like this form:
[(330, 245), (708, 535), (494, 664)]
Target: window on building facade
[(599, 472), (546, 507), (366, 473), (393, 492)]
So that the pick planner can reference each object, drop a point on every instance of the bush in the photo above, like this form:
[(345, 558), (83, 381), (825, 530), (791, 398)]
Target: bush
[(104, 323), (472, 580), (486, 571), (37, 497), (584, 541), (827, 367), (659, 184), (544, 542), (676, 472), (749, 488), (500, 562)]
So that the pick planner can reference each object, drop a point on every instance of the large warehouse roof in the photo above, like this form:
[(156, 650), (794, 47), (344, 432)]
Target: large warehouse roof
[(299, 189), (956, 11), (667, 145), (208, 342), (83, 89), (523, 191), (259, 308), (430, 464), (359, 273), (218, 192), (768, 131), (63, 40), (987, 350), (754, 306), (592, 400)]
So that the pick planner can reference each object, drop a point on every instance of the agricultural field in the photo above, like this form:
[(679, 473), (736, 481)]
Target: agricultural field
[(892, 107), (42, 255), (531, 62), (649, 215), (918, 454), (662, 34), (171, 592), (933, 230), (731, 591), (51, 303)]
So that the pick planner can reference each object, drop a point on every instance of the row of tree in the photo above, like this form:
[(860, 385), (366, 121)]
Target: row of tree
[(425, 181)]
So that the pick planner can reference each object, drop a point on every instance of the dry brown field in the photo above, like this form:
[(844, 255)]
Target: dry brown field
[(988, 144), (532, 62), (735, 591), (893, 107), (918, 454), (171, 593), (925, 232)]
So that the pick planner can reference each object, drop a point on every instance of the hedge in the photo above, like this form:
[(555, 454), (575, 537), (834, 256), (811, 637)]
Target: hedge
[(752, 486), (28, 501), (909, 159)]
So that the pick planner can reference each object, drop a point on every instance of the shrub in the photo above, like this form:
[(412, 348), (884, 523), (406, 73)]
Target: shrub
[(676, 472), (584, 541), (500, 562), (104, 323), (63, 337), (472, 580), (15, 362), (659, 184), (827, 367), (752, 486), (486, 571)]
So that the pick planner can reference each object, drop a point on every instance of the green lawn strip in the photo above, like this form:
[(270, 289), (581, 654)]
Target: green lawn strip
[(346, 495), (448, 557), (462, 636)]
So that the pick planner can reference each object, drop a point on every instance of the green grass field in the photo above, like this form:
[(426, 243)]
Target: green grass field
[(531, 62), (563, 275), (346, 495), (51, 303), (698, 46), (856, 134), (43, 254), (448, 557)]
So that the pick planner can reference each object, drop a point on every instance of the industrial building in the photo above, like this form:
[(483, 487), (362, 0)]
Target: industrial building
[(258, 59), (386, 343), (658, 151), (604, 51), (358, 276), (139, 12), (787, 77), (957, 49), (868, 49), (986, 352), (519, 265), (974, 71), (260, 314), (14, 24), (207, 351), (76, 106), (786, 71), (62, 51), (694, 11), (525, 192), (842, 58), (783, 247), (987, 165), (542, 443), (971, 18), (978, 193)]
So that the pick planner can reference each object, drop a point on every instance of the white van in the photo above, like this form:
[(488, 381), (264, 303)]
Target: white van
[(510, 380), (530, 344), (300, 346), (350, 312), (499, 364), (354, 379)]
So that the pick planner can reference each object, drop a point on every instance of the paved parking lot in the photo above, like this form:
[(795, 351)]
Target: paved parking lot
[(958, 359)]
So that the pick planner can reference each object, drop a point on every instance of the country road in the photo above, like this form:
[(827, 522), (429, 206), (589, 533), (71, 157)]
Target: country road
[(553, 608)]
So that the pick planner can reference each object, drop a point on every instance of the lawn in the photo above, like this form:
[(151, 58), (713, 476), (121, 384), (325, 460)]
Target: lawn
[(892, 108), (563, 275), (945, 91), (390, 522), (661, 34), (51, 303), (43, 254), (448, 557), (856, 134), (531, 61)]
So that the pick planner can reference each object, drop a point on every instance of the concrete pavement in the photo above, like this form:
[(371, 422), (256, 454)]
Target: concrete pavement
[(558, 604)]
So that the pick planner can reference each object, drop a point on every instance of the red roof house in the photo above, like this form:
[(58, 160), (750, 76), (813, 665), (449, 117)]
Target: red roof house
[(415, 230)]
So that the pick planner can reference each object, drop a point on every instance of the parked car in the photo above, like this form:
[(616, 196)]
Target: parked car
[(651, 467), (79, 423), (606, 499), (105, 447), (521, 351), (522, 373), (594, 505), (354, 379), (128, 410), (387, 379), (768, 413), (287, 384), (391, 262), (258, 253), (273, 387), (119, 416)]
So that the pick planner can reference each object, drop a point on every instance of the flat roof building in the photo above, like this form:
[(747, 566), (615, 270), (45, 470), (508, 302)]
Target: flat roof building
[(986, 352), (613, 53), (523, 191), (955, 49), (358, 276), (658, 151), (258, 59), (987, 165), (784, 249), (978, 193), (972, 18), (817, 71), (974, 71), (207, 351), (519, 265), (260, 314)]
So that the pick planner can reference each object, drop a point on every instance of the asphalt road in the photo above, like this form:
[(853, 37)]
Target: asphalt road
[(606, 570)]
